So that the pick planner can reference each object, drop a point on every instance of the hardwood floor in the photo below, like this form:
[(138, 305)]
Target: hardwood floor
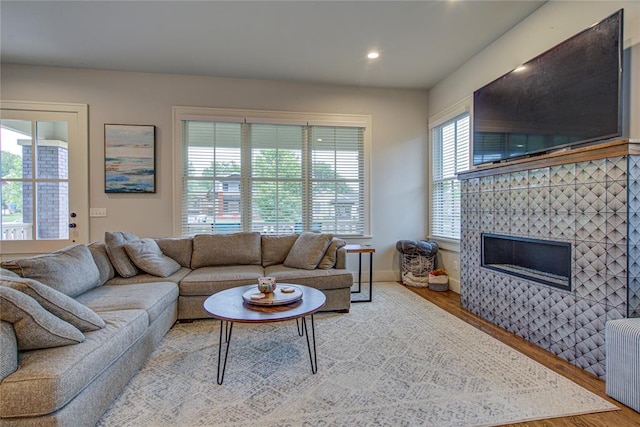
[(450, 301)]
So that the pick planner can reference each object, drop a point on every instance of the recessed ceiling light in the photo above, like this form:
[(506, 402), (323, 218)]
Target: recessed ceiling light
[(373, 54)]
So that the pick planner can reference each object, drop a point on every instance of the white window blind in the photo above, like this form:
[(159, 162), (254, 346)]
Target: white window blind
[(450, 155), (337, 187), (272, 177)]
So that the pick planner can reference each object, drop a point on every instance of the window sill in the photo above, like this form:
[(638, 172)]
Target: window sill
[(447, 244)]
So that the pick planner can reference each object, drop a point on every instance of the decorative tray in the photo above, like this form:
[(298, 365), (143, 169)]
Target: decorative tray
[(276, 297)]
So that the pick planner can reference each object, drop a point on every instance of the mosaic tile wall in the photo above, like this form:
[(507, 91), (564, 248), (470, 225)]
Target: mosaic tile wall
[(594, 205)]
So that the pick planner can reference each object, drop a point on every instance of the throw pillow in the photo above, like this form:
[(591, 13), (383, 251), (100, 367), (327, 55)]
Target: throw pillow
[(276, 248), (115, 241), (34, 326), (8, 350), (7, 273), (71, 270), (57, 303), (330, 257), (226, 249), (101, 258), (146, 254), (308, 250)]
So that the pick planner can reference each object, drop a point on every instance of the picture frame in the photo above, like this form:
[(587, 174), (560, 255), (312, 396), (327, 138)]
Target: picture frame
[(129, 158)]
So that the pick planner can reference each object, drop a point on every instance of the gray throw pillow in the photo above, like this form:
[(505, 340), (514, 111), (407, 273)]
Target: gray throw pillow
[(7, 273), (115, 241), (331, 255), (34, 326), (308, 250), (57, 303), (71, 270), (146, 254), (8, 350), (101, 258), (276, 248)]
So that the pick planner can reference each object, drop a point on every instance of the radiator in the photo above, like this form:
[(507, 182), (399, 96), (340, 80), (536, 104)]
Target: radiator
[(622, 338)]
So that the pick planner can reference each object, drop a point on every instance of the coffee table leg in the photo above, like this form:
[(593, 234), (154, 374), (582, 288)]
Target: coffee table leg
[(299, 328), (228, 329), (312, 357)]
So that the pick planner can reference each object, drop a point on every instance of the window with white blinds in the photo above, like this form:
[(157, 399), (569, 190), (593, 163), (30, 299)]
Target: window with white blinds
[(272, 178), (450, 155)]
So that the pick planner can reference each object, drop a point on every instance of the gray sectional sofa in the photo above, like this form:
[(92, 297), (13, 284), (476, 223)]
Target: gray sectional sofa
[(78, 323)]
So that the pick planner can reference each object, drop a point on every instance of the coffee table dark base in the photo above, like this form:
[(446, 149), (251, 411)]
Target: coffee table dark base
[(226, 329)]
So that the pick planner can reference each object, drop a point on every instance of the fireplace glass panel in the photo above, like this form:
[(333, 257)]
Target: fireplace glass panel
[(542, 261)]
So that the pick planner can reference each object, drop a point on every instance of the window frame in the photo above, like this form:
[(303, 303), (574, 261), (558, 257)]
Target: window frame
[(181, 113), (458, 109)]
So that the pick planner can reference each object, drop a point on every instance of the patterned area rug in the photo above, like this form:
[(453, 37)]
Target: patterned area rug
[(397, 361)]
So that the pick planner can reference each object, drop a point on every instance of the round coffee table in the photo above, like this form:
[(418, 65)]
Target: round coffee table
[(229, 307)]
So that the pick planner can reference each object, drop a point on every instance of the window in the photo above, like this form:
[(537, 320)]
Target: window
[(275, 175), (450, 155), (44, 186)]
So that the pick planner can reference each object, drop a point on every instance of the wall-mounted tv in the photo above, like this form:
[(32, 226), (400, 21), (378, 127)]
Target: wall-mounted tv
[(568, 95)]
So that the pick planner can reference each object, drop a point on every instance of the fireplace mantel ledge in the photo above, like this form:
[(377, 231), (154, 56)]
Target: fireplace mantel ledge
[(622, 147)]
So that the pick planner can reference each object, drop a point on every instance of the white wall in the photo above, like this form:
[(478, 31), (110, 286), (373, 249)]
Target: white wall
[(399, 140), (546, 27)]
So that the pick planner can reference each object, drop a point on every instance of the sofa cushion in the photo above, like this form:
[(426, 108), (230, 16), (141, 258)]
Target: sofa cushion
[(115, 241), (71, 270), (308, 250), (41, 387), (331, 255), (319, 279), (150, 278), (147, 256), (34, 326), (209, 280), (101, 258), (153, 298), (178, 248), (276, 248), (210, 250), (57, 303)]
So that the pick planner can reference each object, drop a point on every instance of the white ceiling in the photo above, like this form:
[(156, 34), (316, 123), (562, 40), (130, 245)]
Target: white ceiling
[(420, 42)]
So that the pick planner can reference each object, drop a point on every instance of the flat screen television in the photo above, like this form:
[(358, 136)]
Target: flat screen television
[(569, 95)]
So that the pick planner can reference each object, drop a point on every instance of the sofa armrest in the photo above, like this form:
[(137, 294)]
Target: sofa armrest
[(341, 258), (8, 350)]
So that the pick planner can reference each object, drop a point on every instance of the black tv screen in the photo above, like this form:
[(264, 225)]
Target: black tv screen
[(569, 95)]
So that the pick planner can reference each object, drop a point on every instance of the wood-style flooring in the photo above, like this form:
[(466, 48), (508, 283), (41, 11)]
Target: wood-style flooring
[(450, 301)]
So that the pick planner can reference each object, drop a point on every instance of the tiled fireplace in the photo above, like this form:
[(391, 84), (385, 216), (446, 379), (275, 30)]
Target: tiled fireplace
[(587, 198)]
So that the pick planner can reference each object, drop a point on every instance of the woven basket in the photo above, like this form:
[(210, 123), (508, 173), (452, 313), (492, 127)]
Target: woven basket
[(439, 283), (416, 269)]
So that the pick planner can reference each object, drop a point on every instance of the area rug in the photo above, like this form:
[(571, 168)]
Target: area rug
[(397, 361)]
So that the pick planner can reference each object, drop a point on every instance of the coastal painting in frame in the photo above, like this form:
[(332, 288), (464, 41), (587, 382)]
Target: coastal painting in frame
[(129, 158)]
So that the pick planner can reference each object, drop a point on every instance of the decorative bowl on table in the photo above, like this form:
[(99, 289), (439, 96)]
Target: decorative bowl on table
[(266, 284), (284, 294)]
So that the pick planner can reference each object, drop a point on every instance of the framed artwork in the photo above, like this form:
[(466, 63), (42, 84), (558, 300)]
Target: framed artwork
[(129, 158)]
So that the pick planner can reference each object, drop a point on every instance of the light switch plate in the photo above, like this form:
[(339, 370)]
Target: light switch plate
[(97, 212)]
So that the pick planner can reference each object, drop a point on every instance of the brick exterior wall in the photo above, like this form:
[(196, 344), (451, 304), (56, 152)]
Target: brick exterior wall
[(52, 197)]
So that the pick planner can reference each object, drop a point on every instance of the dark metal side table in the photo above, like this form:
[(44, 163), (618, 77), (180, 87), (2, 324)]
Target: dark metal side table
[(359, 249)]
